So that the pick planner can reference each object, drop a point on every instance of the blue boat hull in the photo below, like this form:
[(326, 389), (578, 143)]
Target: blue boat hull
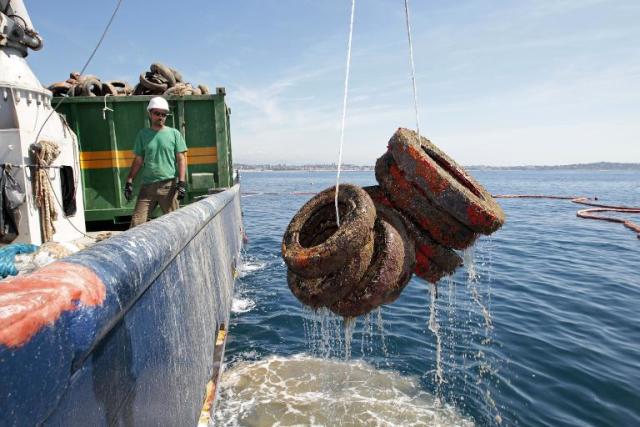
[(145, 354)]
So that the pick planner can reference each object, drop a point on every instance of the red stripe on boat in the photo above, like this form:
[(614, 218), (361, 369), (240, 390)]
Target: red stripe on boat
[(32, 301)]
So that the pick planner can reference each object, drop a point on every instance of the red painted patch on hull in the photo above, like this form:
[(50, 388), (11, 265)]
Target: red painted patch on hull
[(32, 301)]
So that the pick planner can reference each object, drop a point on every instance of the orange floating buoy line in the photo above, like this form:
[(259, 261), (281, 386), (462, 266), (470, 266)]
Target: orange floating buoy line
[(587, 213), (424, 207)]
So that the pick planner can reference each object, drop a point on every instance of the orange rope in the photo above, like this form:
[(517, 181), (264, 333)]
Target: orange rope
[(586, 213)]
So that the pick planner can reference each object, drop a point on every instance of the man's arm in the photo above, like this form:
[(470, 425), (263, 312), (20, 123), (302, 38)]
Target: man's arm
[(181, 161), (135, 168)]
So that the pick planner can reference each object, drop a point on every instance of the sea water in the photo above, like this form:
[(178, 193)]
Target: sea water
[(540, 327)]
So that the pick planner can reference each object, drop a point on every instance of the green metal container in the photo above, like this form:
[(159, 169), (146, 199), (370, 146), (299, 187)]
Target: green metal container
[(107, 126)]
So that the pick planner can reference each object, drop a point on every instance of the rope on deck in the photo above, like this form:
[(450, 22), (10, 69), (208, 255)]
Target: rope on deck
[(8, 256)]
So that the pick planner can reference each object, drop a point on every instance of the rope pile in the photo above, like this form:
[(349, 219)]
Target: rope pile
[(8, 256), (44, 154), (159, 80), (587, 213)]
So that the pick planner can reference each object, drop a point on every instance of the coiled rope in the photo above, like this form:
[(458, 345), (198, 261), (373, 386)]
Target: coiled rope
[(587, 213), (8, 256), (344, 108)]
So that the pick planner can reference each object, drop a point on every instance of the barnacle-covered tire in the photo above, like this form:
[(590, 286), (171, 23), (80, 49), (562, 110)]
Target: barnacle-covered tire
[(386, 212), (108, 89), (441, 226), (165, 72), (176, 75), (313, 246), (443, 260), (427, 269), (60, 88), (445, 183), (154, 87), (122, 87), (383, 277), (325, 291), (92, 87)]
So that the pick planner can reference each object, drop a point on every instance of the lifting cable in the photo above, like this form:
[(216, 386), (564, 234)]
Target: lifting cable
[(586, 213), (344, 108), (84, 67), (346, 92)]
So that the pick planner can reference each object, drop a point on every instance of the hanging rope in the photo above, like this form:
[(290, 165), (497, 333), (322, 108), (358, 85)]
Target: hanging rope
[(413, 68), (586, 213), (45, 153), (344, 109)]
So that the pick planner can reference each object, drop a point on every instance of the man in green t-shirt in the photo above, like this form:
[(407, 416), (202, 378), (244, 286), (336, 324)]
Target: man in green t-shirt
[(160, 152)]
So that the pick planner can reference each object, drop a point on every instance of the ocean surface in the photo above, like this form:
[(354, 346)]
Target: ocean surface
[(540, 327)]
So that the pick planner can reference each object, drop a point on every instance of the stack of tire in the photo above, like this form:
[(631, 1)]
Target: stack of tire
[(159, 80), (425, 207), (163, 80), (89, 85)]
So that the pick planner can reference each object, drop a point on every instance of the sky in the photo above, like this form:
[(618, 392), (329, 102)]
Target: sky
[(502, 83)]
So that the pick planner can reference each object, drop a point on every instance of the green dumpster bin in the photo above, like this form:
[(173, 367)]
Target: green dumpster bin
[(107, 126)]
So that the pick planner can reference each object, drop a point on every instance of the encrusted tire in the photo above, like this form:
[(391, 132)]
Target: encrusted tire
[(427, 269), (398, 221), (154, 87), (165, 72), (313, 246), (204, 89), (325, 291), (108, 89), (91, 87), (383, 277), (441, 226), (176, 75), (445, 183), (444, 258)]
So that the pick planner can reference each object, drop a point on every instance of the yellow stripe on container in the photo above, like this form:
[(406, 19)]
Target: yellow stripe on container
[(123, 158)]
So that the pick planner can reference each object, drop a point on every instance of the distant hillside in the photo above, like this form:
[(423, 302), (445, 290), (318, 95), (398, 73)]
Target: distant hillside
[(577, 166), (333, 167)]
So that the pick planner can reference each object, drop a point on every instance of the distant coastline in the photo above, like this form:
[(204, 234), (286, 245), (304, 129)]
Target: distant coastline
[(598, 166)]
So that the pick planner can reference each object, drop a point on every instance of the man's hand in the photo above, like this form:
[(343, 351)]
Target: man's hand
[(128, 191), (182, 189)]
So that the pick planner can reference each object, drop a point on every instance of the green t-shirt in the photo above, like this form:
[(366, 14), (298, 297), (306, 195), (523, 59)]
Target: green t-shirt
[(159, 148)]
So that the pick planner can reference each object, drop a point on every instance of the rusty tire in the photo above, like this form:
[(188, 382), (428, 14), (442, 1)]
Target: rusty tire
[(445, 258), (155, 88), (445, 182), (122, 87), (325, 291), (165, 72), (386, 211), (176, 75), (441, 226), (92, 87), (383, 277), (427, 269), (108, 89), (313, 246)]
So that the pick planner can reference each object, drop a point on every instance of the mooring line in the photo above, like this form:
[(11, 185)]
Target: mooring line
[(587, 213), (413, 68)]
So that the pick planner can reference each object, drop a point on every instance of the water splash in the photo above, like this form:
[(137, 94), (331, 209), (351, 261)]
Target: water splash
[(349, 326), (302, 390), (435, 328)]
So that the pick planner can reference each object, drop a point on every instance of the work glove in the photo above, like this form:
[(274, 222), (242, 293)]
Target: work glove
[(128, 191), (182, 189)]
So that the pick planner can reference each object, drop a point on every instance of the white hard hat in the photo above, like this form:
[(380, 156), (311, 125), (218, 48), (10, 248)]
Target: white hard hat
[(158, 103)]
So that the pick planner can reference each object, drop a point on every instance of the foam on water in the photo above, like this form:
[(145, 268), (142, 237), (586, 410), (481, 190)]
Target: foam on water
[(242, 305), (303, 390)]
